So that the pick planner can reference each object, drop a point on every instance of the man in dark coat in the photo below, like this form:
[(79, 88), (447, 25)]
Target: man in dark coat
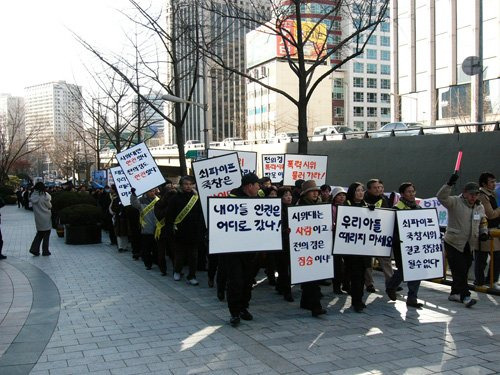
[(239, 266), (184, 224)]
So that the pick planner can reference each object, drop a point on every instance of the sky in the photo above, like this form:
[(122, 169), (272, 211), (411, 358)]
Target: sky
[(37, 47)]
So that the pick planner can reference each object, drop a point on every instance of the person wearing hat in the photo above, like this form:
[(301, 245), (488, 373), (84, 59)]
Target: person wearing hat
[(339, 280), (311, 291), (467, 225), (239, 266), (487, 195)]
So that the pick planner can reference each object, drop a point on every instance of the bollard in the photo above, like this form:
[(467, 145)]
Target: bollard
[(455, 131)]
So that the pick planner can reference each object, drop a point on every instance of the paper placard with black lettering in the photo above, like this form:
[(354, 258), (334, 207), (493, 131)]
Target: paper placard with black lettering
[(361, 231), (140, 168), (305, 167), (310, 242), (216, 177), (238, 225), (122, 185), (272, 166), (421, 247), (247, 159), (442, 212)]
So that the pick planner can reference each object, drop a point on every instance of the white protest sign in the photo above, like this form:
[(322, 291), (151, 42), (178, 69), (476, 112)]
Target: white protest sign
[(310, 242), (272, 166), (122, 185), (140, 168), (216, 177), (244, 224), (442, 212), (421, 248), (361, 231), (110, 178), (305, 167), (248, 159)]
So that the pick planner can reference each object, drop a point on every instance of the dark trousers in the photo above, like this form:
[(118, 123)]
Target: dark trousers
[(459, 263), (283, 268), (185, 251), (397, 278), (239, 268), (1, 242), (161, 249), (480, 260), (41, 235), (356, 266), (339, 274), (217, 270), (311, 296), (148, 249)]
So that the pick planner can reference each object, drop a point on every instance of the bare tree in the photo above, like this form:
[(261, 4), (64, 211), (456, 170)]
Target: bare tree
[(172, 52), (306, 37), (14, 139)]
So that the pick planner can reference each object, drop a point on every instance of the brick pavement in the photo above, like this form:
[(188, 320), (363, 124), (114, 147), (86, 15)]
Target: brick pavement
[(114, 317)]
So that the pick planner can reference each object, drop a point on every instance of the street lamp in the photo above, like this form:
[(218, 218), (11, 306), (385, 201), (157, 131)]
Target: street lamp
[(176, 99)]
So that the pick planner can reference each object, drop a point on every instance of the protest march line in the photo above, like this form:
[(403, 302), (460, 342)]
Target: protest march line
[(244, 224)]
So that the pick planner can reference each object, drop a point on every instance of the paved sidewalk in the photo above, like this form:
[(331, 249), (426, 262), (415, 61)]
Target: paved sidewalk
[(111, 316)]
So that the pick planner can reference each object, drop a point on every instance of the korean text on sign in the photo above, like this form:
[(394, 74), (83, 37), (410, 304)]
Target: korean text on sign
[(244, 224), (310, 242), (140, 168), (421, 247), (273, 166), (122, 185), (305, 167), (216, 177), (247, 159), (360, 231)]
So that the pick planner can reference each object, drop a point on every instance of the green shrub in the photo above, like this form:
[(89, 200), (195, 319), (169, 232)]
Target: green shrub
[(81, 214), (63, 199), (6, 190), (10, 199)]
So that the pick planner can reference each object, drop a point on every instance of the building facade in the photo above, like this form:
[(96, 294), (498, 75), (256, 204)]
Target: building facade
[(53, 110), (431, 39)]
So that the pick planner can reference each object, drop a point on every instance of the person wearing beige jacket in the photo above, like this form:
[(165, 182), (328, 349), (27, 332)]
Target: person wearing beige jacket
[(487, 183), (466, 226)]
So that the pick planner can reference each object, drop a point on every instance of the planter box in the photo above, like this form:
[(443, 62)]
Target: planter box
[(82, 234)]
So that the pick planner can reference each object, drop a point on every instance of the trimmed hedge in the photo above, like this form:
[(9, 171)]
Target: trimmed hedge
[(63, 199), (81, 214)]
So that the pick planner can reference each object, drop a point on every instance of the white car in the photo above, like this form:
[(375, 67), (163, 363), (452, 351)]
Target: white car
[(400, 129), (285, 138), (330, 132), (231, 142)]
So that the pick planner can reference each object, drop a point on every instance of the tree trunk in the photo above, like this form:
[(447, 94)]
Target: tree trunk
[(179, 138)]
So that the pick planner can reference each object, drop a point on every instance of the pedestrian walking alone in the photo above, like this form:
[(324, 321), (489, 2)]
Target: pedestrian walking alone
[(41, 202)]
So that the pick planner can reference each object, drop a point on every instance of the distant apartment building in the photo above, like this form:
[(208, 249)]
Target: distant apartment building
[(367, 80), (12, 118), (53, 111), (431, 39)]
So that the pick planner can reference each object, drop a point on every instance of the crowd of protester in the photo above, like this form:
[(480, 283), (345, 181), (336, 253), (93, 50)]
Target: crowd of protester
[(167, 222)]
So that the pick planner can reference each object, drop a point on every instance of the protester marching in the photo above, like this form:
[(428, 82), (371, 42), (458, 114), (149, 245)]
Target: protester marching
[(301, 230)]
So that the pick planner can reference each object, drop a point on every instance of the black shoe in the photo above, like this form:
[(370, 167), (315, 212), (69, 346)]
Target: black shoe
[(324, 283), (211, 283), (149, 267), (121, 250), (46, 253), (135, 257), (35, 253), (318, 311), (234, 321), (288, 297), (391, 293), (245, 315), (271, 280), (399, 289), (337, 291), (358, 308), (164, 274), (2, 256), (305, 306), (371, 289), (414, 303), (221, 296)]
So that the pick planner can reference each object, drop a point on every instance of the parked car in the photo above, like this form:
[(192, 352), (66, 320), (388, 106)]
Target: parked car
[(400, 129), (331, 132), (284, 137)]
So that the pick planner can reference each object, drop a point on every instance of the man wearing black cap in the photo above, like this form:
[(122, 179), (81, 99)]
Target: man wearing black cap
[(239, 266), (467, 225)]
